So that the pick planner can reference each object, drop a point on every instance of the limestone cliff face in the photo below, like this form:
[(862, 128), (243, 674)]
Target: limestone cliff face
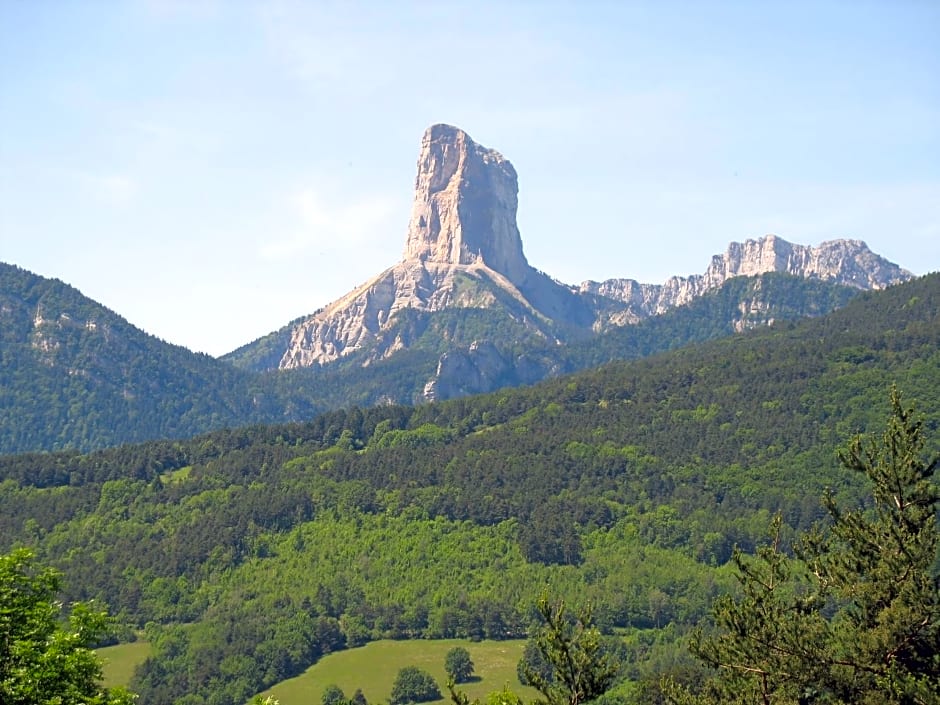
[(354, 323), (847, 262), (465, 203)]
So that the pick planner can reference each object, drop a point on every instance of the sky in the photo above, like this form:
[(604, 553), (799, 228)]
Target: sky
[(211, 170)]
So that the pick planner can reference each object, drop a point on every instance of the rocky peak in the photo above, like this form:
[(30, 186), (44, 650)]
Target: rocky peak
[(465, 202), (846, 262)]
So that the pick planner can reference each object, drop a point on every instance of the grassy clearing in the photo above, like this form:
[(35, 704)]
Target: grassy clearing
[(374, 666), (174, 477), (119, 661)]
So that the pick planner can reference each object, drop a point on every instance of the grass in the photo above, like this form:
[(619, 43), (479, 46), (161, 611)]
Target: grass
[(174, 477), (119, 661), (374, 666)]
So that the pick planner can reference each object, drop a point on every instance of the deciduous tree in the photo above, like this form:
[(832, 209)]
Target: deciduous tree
[(333, 695), (413, 685), (45, 658), (458, 665)]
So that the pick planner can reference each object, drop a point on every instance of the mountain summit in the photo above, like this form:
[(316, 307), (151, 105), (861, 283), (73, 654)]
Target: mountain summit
[(463, 252), (464, 210)]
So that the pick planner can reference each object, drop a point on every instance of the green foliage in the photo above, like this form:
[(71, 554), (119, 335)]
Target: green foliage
[(566, 660), (333, 695), (855, 617), (459, 665), (626, 486), (533, 661), (373, 668), (413, 685), (42, 659), (79, 376), (581, 668)]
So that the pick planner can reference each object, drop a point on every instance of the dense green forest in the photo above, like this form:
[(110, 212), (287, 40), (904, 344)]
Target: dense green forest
[(246, 554), (76, 375)]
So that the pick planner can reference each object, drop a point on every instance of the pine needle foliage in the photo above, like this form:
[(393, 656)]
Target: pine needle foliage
[(854, 617)]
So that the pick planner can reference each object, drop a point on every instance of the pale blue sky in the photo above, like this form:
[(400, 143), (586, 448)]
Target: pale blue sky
[(212, 170)]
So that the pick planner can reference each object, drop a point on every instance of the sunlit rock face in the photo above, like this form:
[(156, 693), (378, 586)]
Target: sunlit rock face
[(847, 262), (462, 227), (465, 204)]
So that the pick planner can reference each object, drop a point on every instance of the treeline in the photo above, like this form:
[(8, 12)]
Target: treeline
[(77, 375)]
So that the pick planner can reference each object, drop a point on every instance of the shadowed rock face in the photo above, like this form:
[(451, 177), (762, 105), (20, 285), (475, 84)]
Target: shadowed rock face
[(465, 203)]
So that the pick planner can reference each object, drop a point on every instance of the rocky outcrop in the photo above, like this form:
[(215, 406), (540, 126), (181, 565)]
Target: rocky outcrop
[(464, 210), (482, 367), (846, 262), (477, 369)]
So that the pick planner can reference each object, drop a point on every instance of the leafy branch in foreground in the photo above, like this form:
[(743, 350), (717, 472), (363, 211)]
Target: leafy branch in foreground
[(855, 616), (43, 658)]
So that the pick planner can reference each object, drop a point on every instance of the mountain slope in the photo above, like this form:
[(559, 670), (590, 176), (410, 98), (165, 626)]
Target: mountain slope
[(75, 374), (453, 353), (463, 312)]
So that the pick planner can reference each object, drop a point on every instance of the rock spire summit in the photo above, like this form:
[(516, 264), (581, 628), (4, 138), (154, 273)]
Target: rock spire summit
[(464, 210)]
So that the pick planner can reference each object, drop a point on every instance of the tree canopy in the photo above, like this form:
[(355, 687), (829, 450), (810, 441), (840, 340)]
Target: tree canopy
[(458, 664), (854, 617), (414, 685)]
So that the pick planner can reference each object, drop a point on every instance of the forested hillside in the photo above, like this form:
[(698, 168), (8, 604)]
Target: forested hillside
[(249, 553), (74, 374), (521, 357)]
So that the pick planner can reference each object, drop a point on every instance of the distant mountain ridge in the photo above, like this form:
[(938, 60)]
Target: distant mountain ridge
[(463, 250), (74, 374), (604, 484), (843, 261)]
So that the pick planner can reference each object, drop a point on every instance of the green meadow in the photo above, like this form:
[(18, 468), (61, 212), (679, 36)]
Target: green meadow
[(119, 661), (373, 668)]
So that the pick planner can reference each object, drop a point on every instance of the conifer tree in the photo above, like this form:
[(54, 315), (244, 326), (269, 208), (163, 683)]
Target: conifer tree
[(581, 668), (855, 616)]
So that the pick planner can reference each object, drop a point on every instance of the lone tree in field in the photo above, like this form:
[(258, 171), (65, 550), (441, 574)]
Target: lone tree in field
[(458, 665), (333, 695), (412, 685), (855, 617)]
